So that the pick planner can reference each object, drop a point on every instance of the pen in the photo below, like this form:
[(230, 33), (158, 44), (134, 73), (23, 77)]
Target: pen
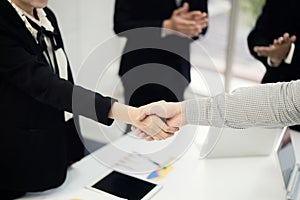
[(149, 159)]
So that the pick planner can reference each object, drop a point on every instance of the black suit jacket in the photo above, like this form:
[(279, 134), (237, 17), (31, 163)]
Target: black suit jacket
[(148, 46), (33, 133), (277, 17)]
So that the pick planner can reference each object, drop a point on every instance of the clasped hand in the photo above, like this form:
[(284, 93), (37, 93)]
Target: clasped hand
[(167, 117)]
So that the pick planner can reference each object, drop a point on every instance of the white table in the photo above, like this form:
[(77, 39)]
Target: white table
[(191, 178)]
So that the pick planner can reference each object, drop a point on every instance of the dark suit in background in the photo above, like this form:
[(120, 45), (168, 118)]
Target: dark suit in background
[(277, 17), (35, 140), (149, 49)]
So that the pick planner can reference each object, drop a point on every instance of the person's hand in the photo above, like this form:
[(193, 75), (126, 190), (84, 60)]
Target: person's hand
[(277, 51), (183, 24), (199, 17), (173, 113), (153, 126)]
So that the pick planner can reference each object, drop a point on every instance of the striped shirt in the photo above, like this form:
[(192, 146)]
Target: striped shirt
[(267, 105)]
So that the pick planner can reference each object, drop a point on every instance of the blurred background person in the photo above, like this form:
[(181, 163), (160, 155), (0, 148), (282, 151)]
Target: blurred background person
[(273, 41), (159, 51)]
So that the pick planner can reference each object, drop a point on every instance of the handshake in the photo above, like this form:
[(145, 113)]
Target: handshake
[(155, 121)]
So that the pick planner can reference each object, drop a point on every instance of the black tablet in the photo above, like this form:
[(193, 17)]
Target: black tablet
[(117, 184)]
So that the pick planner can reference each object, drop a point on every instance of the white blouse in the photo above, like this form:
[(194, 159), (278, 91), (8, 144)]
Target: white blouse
[(44, 22)]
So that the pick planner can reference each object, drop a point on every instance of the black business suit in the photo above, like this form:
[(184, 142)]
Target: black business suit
[(277, 17), (34, 135), (149, 48)]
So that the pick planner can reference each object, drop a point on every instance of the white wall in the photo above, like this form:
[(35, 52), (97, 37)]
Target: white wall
[(84, 24)]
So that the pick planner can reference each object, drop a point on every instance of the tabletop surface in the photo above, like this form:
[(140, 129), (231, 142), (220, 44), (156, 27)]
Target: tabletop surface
[(239, 178)]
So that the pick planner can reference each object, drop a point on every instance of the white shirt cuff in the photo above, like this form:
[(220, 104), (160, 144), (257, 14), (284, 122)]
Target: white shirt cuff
[(289, 58)]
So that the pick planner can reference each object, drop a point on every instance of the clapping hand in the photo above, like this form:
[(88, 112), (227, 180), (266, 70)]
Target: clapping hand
[(185, 23), (277, 51)]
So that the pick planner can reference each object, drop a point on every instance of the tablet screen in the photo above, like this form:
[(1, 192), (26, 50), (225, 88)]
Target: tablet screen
[(124, 186)]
